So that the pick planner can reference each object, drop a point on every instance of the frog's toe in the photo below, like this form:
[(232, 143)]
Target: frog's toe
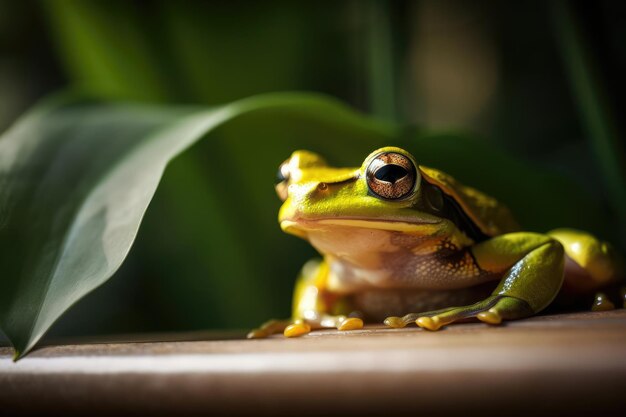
[(400, 322), (297, 329), (257, 334), (429, 323), (490, 317), (394, 322), (351, 323), (506, 308), (602, 303)]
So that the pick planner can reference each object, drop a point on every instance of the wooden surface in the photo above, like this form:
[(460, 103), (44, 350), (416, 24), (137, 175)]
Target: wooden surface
[(550, 365)]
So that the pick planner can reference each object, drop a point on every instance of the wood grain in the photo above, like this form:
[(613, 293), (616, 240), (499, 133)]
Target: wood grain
[(548, 365)]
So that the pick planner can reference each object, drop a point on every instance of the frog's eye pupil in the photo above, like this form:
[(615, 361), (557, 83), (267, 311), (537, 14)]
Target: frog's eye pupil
[(390, 173), (391, 176)]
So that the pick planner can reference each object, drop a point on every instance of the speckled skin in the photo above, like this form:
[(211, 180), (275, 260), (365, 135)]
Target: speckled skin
[(399, 239), (361, 259)]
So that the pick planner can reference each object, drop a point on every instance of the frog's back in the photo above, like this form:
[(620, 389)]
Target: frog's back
[(489, 215)]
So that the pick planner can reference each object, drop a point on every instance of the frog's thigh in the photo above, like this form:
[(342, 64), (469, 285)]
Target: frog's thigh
[(531, 266)]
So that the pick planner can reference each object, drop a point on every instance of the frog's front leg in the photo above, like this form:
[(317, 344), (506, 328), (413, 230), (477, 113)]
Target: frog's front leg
[(313, 307), (531, 266)]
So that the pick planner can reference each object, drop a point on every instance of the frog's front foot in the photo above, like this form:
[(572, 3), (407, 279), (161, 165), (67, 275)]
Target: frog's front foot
[(350, 323), (343, 323), (297, 328), (491, 310), (300, 327)]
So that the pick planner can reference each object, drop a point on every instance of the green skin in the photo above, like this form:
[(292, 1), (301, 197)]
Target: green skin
[(395, 237)]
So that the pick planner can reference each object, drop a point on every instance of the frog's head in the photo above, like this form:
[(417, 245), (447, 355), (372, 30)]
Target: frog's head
[(386, 193)]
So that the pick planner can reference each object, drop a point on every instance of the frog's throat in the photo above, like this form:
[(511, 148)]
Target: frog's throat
[(291, 226)]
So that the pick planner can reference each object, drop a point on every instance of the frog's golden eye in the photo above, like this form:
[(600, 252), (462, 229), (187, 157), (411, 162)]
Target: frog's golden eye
[(391, 175)]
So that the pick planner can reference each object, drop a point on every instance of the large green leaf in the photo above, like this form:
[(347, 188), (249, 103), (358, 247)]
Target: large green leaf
[(76, 179), (75, 183)]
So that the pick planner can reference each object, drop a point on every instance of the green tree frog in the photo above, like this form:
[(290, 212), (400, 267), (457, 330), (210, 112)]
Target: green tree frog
[(403, 243)]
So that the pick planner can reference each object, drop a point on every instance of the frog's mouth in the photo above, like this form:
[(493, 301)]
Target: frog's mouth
[(299, 227)]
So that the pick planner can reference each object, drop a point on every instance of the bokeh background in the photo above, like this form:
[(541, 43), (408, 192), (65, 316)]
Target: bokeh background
[(543, 80)]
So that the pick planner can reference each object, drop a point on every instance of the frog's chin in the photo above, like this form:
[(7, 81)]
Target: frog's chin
[(300, 227)]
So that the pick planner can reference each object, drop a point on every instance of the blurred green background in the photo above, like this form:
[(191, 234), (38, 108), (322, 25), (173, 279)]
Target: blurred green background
[(541, 80)]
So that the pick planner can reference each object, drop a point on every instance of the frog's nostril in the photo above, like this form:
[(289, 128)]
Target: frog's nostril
[(292, 188)]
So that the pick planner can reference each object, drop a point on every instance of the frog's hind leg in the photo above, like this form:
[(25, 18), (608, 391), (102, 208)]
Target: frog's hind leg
[(491, 310), (531, 267)]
